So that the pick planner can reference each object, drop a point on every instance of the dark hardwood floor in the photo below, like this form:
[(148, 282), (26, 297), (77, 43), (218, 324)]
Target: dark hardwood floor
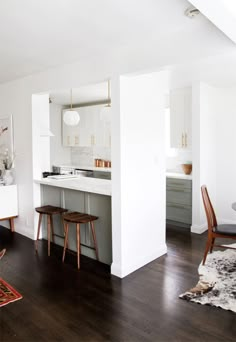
[(63, 304)]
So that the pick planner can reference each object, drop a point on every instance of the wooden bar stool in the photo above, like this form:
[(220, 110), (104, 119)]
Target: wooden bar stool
[(48, 210), (79, 218)]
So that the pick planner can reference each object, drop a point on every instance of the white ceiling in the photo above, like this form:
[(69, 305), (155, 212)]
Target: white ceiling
[(87, 94), (36, 35), (221, 12)]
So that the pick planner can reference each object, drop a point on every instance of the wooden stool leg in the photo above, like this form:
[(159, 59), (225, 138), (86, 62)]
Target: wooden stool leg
[(49, 233), (78, 244), (94, 238), (38, 232), (52, 228), (11, 222), (66, 227)]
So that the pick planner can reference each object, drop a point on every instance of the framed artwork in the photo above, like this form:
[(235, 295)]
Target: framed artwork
[(6, 139)]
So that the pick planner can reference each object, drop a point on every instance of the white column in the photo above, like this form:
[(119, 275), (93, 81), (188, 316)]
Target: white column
[(138, 176)]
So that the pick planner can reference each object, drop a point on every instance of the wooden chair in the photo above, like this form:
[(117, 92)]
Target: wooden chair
[(214, 230), (48, 210), (79, 218)]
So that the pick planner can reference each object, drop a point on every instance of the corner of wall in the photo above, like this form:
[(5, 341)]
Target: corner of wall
[(121, 272), (198, 229)]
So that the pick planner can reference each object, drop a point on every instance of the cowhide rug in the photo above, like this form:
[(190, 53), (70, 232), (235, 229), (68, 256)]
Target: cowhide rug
[(217, 281)]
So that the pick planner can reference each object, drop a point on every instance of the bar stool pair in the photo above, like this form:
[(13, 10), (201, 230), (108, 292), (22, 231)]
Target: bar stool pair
[(67, 217)]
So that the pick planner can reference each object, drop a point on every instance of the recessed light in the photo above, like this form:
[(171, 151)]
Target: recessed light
[(191, 12)]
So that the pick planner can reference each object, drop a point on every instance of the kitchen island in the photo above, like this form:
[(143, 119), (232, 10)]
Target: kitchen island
[(83, 194)]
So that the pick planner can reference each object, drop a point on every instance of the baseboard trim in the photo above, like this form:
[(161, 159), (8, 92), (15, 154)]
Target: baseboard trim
[(121, 272), (27, 233), (198, 229)]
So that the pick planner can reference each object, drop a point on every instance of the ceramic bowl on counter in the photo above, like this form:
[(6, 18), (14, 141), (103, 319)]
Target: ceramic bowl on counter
[(187, 168)]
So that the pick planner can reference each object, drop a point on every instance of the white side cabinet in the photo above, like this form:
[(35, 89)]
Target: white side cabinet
[(181, 118), (91, 130), (8, 204)]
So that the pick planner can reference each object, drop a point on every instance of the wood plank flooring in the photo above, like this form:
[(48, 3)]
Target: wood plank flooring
[(63, 304)]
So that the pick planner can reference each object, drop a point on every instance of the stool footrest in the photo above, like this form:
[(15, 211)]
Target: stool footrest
[(84, 245), (60, 236)]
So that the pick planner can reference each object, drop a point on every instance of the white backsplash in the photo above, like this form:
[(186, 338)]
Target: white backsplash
[(181, 156), (84, 156)]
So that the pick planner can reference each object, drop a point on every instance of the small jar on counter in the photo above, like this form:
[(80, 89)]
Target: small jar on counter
[(96, 162)]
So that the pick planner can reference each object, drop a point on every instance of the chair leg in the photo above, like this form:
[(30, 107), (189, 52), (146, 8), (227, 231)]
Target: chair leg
[(212, 244), (94, 238), (49, 233), (11, 222), (78, 244), (66, 228), (38, 232), (208, 245)]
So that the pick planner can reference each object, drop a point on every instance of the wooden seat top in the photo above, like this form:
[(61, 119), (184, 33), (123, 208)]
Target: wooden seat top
[(50, 210), (76, 217)]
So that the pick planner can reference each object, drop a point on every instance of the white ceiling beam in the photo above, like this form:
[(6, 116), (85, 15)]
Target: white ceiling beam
[(222, 13)]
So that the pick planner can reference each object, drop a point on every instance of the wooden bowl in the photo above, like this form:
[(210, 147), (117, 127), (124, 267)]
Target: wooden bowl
[(187, 168)]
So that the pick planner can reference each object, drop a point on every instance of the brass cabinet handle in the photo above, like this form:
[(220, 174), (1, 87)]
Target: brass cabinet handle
[(182, 139), (76, 140), (92, 139), (186, 141)]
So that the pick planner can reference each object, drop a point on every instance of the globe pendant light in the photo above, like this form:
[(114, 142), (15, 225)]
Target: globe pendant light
[(71, 117), (106, 110)]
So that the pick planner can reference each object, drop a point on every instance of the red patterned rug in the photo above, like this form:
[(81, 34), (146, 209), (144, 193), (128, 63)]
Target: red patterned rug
[(7, 293)]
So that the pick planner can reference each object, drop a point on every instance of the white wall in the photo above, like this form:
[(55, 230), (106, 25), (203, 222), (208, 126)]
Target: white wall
[(225, 117), (214, 164), (16, 99), (58, 154), (204, 149), (141, 173)]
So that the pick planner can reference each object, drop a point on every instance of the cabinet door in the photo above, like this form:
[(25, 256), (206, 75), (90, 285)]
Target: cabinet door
[(8, 201), (103, 128), (78, 135), (176, 118), (188, 117), (179, 200), (91, 130), (70, 134), (180, 117)]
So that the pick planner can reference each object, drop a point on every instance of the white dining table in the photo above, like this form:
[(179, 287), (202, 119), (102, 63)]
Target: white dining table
[(234, 205)]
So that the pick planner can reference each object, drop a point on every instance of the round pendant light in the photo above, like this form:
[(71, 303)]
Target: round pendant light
[(71, 117)]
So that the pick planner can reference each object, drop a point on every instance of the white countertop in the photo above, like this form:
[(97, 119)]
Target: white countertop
[(178, 175), (86, 184), (92, 168)]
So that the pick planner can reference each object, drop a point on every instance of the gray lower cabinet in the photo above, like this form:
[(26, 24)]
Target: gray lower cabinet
[(95, 204), (179, 201)]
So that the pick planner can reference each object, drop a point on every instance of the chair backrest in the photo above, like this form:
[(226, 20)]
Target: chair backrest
[(210, 214)]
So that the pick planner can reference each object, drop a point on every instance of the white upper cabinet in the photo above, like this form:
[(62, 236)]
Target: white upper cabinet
[(181, 118), (91, 130)]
